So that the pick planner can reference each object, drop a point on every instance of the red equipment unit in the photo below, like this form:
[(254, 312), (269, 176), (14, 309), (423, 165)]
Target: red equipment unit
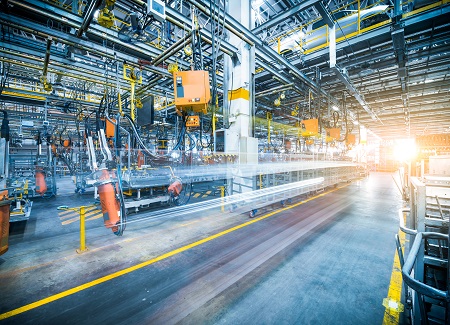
[(175, 188), (4, 222), (108, 201), (41, 184)]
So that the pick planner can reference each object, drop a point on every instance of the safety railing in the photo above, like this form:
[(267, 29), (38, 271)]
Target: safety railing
[(426, 272), (433, 303)]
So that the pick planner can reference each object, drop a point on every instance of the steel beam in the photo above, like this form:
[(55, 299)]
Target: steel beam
[(354, 92), (183, 22), (284, 15), (326, 17), (44, 32)]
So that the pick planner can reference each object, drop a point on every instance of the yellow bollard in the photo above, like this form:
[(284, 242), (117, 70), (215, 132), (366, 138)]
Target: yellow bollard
[(222, 194), (83, 247), (82, 211)]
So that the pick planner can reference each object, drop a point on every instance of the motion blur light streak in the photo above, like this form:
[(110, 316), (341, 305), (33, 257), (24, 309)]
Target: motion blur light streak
[(246, 201)]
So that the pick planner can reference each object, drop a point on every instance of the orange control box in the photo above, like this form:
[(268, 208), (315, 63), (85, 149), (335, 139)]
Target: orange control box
[(193, 121), (333, 134), (4, 224), (310, 127), (351, 139), (191, 90)]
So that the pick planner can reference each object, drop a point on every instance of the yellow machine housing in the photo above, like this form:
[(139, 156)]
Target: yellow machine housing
[(192, 91), (310, 127)]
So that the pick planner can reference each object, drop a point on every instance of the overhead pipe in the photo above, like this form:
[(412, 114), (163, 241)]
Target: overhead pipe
[(175, 47), (54, 63), (47, 56), (93, 6), (274, 90), (62, 73), (76, 25)]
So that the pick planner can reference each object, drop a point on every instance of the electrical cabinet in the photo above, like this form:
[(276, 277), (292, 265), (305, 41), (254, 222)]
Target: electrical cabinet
[(192, 91), (226, 141), (310, 127), (333, 134)]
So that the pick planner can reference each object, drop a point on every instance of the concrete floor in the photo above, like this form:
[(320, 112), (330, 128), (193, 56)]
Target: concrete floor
[(326, 261)]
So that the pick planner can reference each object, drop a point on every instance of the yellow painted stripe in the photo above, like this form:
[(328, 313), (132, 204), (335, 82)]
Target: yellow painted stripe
[(196, 195), (393, 303), (72, 214), (206, 194), (77, 217), (65, 213), (66, 222), (239, 93), (97, 216), (117, 274)]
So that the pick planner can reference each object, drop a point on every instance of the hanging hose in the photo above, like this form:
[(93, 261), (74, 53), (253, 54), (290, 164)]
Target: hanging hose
[(138, 138)]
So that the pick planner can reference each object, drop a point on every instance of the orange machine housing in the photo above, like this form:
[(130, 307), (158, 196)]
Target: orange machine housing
[(333, 134), (108, 201), (41, 184), (110, 128), (140, 159), (192, 90), (175, 188), (351, 139), (310, 127), (4, 223)]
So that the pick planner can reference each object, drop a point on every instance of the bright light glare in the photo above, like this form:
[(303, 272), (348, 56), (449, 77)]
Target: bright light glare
[(405, 150)]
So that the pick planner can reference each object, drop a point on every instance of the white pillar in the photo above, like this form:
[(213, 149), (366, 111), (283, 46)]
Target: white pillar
[(240, 72)]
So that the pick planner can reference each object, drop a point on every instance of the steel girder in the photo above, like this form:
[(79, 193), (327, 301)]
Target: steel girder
[(284, 15)]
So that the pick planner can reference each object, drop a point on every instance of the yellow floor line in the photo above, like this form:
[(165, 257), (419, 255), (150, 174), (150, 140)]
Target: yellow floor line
[(196, 195), (393, 303), (117, 274)]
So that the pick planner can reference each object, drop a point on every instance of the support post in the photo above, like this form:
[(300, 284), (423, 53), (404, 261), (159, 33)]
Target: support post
[(83, 247), (222, 201)]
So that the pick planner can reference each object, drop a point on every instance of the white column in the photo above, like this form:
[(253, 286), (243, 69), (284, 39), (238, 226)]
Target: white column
[(240, 74)]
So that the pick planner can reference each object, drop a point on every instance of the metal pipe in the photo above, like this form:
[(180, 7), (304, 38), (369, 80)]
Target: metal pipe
[(181, 21), (241, 34), (47, 56), (274, 90), (142, 50), (88, 16), (175, 47)]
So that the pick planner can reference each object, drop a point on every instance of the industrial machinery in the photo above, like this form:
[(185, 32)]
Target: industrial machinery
[(192, 90)]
